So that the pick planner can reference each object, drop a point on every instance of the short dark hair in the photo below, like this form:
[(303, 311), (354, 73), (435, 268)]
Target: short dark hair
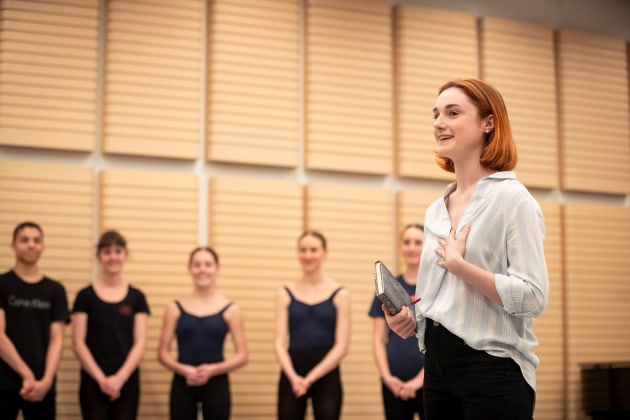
[(109, 238), (315, 233), (24, 225), (203, 248)]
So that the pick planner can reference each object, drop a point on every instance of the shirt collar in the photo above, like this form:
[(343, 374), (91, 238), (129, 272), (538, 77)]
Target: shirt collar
[(495, 176)]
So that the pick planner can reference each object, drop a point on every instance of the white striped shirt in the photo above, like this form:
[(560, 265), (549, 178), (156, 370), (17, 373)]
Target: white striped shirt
[(506, 238)]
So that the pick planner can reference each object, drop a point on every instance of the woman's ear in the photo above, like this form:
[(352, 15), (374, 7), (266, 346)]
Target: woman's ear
[(489, 123)]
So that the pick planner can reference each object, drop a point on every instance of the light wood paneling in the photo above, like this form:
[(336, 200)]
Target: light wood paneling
[(348, 87), (549, 327), (60, 199), (254, 225), (594, 105), (427, 56), (153, 78), (596, 239), (283, 78), (254, 82), (48, 73), (157, 212), (358, 223), (519, 59)]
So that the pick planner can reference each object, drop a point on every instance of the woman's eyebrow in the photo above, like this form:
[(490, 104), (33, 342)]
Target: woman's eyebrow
[(446, 107)]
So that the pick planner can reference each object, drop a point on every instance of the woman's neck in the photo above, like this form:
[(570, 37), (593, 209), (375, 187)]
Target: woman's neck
[(112, 280), (314, 278), (411, 274), (203, 293), (467, 174)]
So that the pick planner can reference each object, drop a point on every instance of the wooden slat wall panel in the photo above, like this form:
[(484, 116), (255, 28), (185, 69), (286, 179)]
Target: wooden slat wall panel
[(60, 199), (549, 327), (254, 226), (254, 82), (157, 212), (358, 222), (421, 69), (348, 87), (153, 78), (519, 59), (411, 206), (48, 72), (593, 73), (597, 289)]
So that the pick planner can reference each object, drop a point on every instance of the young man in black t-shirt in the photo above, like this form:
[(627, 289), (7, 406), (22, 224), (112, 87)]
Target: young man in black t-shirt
[(33, 314)]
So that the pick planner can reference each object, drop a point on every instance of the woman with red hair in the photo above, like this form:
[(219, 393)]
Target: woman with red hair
[(483, 275)]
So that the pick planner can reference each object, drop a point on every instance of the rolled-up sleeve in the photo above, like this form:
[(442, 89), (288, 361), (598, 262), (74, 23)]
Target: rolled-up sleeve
[(525, 289)]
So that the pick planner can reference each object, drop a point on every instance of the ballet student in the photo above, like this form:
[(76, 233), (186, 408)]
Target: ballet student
[(399, 361), (109, 334), (33, 316), (200, 323), (312, 336)]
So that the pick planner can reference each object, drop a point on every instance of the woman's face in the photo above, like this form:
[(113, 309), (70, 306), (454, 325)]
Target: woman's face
[(203, 268), (112, 258), (411, 245), (311, 253), (458, 130)]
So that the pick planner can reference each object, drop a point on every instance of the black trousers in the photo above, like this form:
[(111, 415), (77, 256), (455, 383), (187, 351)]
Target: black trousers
[(11, 402), (463, 383), (96, 406), (214, 397), (326, 393), (399, 409)]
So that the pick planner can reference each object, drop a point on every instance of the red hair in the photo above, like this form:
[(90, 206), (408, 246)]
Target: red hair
[(499, 152)]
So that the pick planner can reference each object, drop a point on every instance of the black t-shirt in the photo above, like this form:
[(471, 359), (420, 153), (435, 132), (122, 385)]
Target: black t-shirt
[(109, 335), (29, 310)]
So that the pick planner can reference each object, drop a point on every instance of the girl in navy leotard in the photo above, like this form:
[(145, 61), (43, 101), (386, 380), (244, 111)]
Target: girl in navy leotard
[(313, 321), (399, 361), (200, 322)]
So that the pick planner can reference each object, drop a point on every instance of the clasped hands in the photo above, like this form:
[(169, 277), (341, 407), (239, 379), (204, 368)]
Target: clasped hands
[(404, 390), (34, 390), (198, 375), (300, 385), (111, 386)]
